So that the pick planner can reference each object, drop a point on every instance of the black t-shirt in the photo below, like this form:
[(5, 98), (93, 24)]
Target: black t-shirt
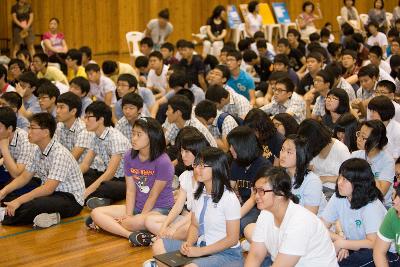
[(305, 84), (244, 177), (216, 29), (295, 57), (263, 70), (193, 69), (273, 147), (22, 12), (302, 47)]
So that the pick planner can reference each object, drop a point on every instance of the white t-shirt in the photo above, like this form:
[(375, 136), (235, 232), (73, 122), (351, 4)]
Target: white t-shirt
[(255, 23), (158, 81), (99, 90), (158, 34), (380, 39), (331, 164), (382, 166), (216, 215), (393, 136), (186, 183), (301, 233)]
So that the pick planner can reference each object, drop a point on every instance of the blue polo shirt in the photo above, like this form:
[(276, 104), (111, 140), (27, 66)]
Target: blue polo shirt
[(243, 84)]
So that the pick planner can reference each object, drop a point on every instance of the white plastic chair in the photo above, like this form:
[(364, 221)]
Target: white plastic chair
[(269, 31), (364, 18), (133, 39), (43, 46), (239, 33), (202, 33), (286, 27)]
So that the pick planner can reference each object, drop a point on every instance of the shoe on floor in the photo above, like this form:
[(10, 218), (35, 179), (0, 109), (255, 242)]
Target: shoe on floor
[(141, 238), (95, 202), (45, 220), (150, 263), (90, 224)]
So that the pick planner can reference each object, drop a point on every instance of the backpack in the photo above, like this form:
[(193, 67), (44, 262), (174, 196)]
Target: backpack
[(222, 117)]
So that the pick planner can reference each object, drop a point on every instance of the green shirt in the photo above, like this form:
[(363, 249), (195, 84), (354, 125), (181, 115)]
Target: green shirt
[(390, 229)]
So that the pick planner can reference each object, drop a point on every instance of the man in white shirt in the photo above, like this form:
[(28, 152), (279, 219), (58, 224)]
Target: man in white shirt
[(377, 37), (101, 87), (157, 77)]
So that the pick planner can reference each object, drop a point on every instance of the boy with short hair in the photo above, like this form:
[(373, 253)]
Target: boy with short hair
[(40, 65), (146, 46), (285, 100), (81, 87), (375, 56), (179, 115), (132, 105), (157, 77), (27, 85), (296, 58), (388, 89), (61, 192), (167, 50), (14, 101), (71, 130), (127, 83), (74, 64), (86, 56), (193, 64), (101, 87), (106, 183), (368, 77), (314, 63), (207, 113), (113, 69), (142, 64), (240, 81), (47, 95), (15, 149), (377, 37)]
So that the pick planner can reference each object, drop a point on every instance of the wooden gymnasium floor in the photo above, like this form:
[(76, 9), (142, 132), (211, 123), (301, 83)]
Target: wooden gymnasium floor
[(67, 244)]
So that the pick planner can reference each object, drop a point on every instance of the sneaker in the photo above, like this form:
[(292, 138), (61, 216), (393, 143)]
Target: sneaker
[(245, 245), (90, 224), (141, 238), (2, 213), (45, 220), (150, 263), (95, 202)]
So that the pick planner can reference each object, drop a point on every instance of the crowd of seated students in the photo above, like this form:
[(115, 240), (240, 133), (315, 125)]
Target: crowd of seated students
[(290, 153)]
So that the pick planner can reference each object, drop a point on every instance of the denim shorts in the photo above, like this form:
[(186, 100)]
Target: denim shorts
[(231, 256), (163, 211)]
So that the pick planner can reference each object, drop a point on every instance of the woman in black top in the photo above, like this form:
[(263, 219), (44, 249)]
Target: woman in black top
[(216, 32)]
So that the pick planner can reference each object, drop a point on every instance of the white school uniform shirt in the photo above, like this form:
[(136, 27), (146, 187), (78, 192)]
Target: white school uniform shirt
[(99, 90), (158, 81), (186, 183), (382, 166), (356, 223), (216, 215), (393, 136), (380, 39), (330, 165), (310, 192), (301, 233)]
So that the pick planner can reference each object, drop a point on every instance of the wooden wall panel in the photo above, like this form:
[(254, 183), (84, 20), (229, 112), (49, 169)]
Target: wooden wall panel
[(102, 24)]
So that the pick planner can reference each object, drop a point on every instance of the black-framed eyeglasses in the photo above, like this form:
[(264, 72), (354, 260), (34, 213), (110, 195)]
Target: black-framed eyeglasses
[(261, 191), (200, 165), (89, 116)]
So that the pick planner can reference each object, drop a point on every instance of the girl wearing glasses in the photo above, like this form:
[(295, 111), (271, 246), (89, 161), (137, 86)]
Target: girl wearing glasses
[(336, 104), (371, 139), (176, 224), (357, 205), (286, 233), (148, 174), (213, 236)]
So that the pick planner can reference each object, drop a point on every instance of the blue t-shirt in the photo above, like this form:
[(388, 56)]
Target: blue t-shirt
[(144, 174), (382, 166), (243, 84), (358, 223), (244, 176), (119, 114), (310, 192)]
